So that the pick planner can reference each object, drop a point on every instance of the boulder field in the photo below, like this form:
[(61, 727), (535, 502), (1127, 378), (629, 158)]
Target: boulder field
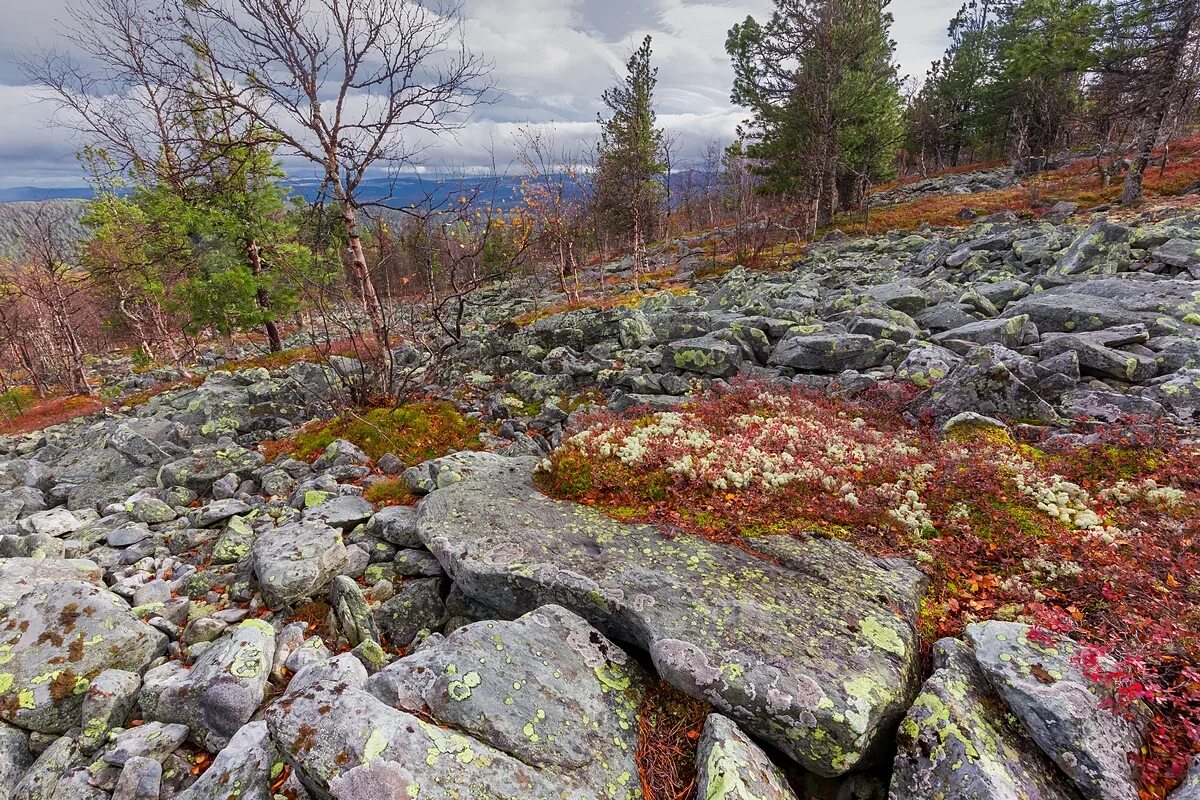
[(184, 617)]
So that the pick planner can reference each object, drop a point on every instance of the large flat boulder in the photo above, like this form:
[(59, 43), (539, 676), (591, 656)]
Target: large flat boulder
[(831, 352), (810, 646)]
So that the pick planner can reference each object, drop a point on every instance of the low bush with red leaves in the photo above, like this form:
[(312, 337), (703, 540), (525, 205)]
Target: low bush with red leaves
[(1100, 543)]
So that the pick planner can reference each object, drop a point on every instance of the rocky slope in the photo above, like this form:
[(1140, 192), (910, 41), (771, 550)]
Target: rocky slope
[(180, 617)]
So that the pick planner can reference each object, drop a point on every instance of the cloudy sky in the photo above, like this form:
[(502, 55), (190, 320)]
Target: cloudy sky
[(552, 58)]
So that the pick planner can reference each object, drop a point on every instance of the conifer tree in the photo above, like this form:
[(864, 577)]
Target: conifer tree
[(630, 165), (822, 90)]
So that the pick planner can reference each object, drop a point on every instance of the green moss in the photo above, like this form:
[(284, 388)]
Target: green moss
[(414, 432)]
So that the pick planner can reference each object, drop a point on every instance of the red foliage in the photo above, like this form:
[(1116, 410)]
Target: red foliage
[(1100, 542), (51, 412)]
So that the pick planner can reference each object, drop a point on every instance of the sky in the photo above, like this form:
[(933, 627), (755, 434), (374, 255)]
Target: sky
[(553, 59)]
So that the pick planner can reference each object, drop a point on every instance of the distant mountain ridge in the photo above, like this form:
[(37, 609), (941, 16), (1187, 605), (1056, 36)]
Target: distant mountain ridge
[(401, 191)]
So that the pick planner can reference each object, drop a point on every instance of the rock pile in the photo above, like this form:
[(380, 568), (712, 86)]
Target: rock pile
[(180, 618)]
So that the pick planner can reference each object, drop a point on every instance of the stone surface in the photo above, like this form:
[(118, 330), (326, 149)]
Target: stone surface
[(830, 352), (15, 758), (345, 741), (343, 513), (801, 652), (706, 355), (547, 689), (217, 695), (55, 640), (1190, 789), (732, 767), (958, 741), (984, 385), (244, 769), (416, 606), (110, 697), (296, 561), (208, 464), (1037, 679)]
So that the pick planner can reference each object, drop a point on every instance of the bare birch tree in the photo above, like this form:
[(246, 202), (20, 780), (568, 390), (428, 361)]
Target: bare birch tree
[(354, 87)]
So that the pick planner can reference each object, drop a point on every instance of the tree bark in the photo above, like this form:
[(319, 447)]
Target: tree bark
[(362, 277), (274, 341), (1161, 105)]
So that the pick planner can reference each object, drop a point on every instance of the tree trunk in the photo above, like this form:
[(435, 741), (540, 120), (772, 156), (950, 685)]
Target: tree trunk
[(362, 277), (275, 342), (1159, 108)]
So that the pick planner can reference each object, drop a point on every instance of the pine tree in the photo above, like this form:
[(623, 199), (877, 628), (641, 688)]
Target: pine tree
[(630, 165), (1149, 62), (822, 90)]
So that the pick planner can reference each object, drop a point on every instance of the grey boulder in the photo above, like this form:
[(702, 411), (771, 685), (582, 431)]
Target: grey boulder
[(732, 767), (1038, 680), (296, 561), (217, 695), (958, 741), (58, 637), (811, 649)]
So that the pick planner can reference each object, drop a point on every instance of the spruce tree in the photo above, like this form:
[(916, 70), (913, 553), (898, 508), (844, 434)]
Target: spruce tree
[(630, 161)]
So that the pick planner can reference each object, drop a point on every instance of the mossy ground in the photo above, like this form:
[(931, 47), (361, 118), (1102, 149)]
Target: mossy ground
[(413, 432)]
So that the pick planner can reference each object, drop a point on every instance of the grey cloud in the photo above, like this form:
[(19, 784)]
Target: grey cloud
[(553, 59)]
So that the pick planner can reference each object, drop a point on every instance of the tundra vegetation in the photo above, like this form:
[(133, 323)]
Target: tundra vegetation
[(856, 457)]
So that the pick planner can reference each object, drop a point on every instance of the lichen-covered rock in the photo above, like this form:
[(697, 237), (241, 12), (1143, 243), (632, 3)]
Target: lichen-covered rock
[(1190, 789), (235, 541), (296, 561), (547, 689), (830, 352), (243, 770), (15, 758), (155, 740), (958, 741), (732, 767), (1097, 359), (1012, 332), (416, 606), (208, 464), (396, 525), (1039, 681), (140, 779), (342, 739), (982, 384), (811, 649), (1103, 247), (109, 699), (217, 695), (706, 355), (343, 513), (21, 575), (42, 778), (354, 620), (438, 473), (55, 639)]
